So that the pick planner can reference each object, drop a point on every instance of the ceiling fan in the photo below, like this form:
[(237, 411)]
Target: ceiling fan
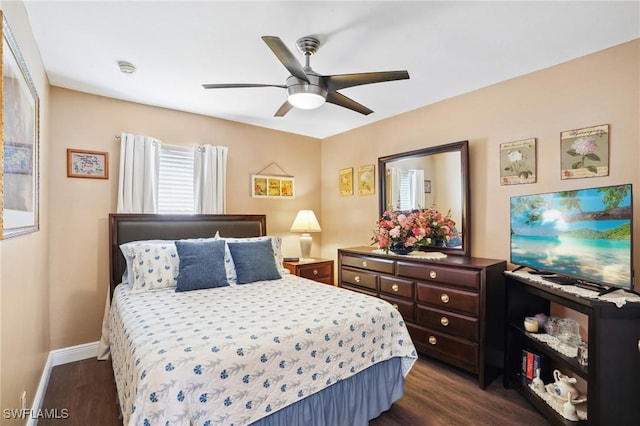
[(306, 88)]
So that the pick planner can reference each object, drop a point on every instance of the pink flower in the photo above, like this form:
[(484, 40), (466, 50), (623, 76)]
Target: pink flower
[(584, 146)]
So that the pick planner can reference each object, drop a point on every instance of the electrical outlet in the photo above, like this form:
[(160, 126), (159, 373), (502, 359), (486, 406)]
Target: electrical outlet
[(23, 401)]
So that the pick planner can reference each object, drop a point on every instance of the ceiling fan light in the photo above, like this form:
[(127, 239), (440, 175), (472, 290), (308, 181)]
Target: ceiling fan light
[(306, 100), (306, 96)]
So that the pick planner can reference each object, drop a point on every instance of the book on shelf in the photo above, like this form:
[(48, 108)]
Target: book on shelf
[(530, 364)]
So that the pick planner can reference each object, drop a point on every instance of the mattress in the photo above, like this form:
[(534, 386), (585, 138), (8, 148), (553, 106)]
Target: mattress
[(235, 355)]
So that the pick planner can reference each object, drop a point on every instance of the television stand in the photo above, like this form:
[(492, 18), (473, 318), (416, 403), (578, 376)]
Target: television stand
[(562, 280), (613, 335)]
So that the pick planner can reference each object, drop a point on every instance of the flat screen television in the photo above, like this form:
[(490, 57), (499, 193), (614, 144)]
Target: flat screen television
[(584, 236)]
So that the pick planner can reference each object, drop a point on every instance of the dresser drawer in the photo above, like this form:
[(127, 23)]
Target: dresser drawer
[(370, 263), (459, 352), (449, 299), (360, 278), (359, 290), (316, 272), (442, 274), (396, 287), (448, 322), (405, 307)]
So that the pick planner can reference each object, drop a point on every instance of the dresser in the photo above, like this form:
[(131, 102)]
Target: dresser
[(320, 270), (454, 308)]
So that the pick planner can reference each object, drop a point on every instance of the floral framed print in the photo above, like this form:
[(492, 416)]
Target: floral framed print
[(518, 162), (585, 152), (272, 186), (20, 142), (87, 164), (345, 181), (366, 180)]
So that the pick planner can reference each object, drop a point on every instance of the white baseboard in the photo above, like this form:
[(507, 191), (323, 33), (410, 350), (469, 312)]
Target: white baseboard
[(59, 357)]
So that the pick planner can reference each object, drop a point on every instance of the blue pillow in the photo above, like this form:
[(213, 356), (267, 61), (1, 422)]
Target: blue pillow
[(201, 265), (254, 261)]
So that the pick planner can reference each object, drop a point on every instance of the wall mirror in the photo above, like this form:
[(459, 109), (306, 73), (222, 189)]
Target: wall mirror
[(436, 177), (19, 168)]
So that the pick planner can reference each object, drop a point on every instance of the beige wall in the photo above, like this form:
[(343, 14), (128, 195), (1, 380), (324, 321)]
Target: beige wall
[(80, 207), (603, 88), (24, 282)]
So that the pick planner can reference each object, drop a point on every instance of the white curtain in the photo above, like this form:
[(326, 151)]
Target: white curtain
[(416, 194), (139, 166), (209, 174)]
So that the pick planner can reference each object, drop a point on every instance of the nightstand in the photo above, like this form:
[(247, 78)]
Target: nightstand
[(320, 270)]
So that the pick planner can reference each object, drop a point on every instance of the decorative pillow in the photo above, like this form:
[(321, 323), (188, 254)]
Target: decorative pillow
[(254, 261), (276, 245), (201, 264), (151, 265)]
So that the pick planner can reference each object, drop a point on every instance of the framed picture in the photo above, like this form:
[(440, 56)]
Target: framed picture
[(20, 141), (272, 186), (584, 152), (427, 187), (345, 181), (518, 162), (366, 180), (87, 164)]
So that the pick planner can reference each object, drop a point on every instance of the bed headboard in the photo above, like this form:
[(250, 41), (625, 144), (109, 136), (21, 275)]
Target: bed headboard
[(126, 227)]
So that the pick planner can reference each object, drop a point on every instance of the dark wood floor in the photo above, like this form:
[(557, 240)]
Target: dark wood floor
[(435, 395)]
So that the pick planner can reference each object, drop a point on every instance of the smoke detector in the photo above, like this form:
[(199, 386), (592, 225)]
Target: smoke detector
[(126, 67)]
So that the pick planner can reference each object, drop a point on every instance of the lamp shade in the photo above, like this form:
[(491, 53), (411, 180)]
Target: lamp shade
[(305, 222)]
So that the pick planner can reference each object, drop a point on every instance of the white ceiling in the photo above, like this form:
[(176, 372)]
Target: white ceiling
[(449, 48)]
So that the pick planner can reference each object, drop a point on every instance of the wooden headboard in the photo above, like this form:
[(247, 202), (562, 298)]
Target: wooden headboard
[(125, 227)]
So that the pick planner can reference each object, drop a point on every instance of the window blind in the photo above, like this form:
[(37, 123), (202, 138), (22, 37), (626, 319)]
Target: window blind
[(175, 182)]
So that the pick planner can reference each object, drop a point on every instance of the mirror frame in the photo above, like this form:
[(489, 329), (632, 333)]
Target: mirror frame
[(463, 148)]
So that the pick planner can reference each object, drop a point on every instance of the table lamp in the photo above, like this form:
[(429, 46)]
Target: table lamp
[(305, 222)]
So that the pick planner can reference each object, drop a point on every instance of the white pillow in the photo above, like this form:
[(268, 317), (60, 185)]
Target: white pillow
[(151, 265)]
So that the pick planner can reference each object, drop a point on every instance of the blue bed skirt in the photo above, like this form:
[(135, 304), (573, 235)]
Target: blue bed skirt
[(351, 402)]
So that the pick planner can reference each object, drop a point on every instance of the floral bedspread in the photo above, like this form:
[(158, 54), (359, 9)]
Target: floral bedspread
[(232, 355)]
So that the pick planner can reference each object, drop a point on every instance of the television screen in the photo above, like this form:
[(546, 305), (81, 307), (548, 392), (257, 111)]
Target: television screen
[(583, 234)]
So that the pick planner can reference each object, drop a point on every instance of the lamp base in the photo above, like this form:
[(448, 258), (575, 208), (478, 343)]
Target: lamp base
[(305, 247)]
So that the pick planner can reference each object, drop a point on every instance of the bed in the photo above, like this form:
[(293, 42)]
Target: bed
[(261, 348)]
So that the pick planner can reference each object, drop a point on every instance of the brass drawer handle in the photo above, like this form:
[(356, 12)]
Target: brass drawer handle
[(357, 278), (395, 287), (433, 275), (315, 272), (364, 263), (395, 306), (433, 340), (444, 321), (444, 297)]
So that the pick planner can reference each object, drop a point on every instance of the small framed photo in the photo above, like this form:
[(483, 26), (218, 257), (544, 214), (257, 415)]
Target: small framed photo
[(518, 162), (584, 152), (345, 181), (271, 186), (366, 180), (87, 164), (427, 187)]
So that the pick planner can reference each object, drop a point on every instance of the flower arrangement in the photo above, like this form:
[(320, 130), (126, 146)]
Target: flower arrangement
[(409, 228)]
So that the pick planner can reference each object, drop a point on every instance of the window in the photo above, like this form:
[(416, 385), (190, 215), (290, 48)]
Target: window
[(175, 181)]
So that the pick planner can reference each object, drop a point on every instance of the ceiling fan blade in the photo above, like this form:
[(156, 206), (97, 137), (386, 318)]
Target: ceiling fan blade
[(343, 101), (284, 108), (286, 57), (342, 81), (235, 86)]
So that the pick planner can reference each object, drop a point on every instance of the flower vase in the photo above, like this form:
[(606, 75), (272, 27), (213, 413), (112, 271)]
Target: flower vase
[(439, 243), (399, 248)]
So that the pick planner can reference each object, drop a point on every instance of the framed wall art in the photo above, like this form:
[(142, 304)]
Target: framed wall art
[(345, 181), (366, 180), (518, 162), (584, 152), (20, 141), (427, 187), (272, 186), (87, 164)]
